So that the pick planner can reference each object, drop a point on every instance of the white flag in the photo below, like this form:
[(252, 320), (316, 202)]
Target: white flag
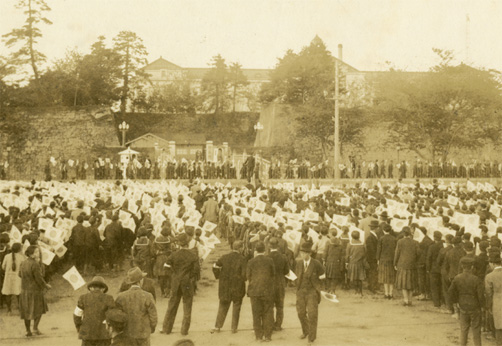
[(47, 256), (74, 278), (208, 226)]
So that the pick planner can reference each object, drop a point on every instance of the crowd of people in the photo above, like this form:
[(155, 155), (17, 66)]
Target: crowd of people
[(137, 168), (420, 169), (432, 242), (143, 167)]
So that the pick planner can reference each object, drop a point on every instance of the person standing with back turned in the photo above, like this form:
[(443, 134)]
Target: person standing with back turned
[(260, 275)]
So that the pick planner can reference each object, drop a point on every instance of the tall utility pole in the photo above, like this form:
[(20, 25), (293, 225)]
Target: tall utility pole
[(337, 157)]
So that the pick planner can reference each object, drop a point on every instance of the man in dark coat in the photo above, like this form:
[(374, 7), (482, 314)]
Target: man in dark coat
[(434, 270), (140, 309), (77, 243), (281, 269), (185, 266), (260, 274), (467, 291), (231, 272), (452, 260), (441, 262), (146, 284), (249, 164), (91, 312), (423, 277), (112, 242), (371, 245), (310, 272)]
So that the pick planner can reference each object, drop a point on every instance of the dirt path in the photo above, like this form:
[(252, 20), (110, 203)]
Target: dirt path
[(370, 320)]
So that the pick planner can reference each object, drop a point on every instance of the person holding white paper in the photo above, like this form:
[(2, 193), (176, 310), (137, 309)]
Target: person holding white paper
[(32, 303), (12, 282)]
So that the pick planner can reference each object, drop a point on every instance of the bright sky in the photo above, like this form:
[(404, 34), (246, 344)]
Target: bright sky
[(257, 32)]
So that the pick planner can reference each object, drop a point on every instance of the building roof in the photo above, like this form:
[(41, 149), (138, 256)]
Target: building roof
[(197, 73), (250, 73), (182, 138), (162, 64)]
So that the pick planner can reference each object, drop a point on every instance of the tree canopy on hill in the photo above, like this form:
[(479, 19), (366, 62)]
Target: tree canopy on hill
[(450, 107)]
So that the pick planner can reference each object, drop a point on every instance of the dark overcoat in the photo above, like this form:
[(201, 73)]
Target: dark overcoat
[(260, 274), (232, 277), (94, 305)]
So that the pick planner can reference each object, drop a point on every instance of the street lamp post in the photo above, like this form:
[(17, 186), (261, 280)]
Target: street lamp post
[(398, 148), (123, 127), (258, 126)]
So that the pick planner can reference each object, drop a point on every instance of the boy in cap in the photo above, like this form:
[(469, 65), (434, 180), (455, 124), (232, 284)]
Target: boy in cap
[(90, 313), (467, 291), (116, 320)]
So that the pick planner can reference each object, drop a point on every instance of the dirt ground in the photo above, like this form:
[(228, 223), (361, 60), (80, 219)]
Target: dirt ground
[(369, 320)]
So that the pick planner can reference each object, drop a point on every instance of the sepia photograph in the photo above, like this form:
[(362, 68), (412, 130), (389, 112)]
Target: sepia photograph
[(239, 172)]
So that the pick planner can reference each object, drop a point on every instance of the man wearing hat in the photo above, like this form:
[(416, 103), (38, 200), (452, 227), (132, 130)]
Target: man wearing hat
[(467, 291), (230, 270), (90, 313), (493, 289), (423, 277), (210, 209), (310, 272), (260, 275), (185, 269), (434, 270), (112, 242), (281, 269), (371, 226), (140, 309), (445, 281), (452, 260), (371, 244)]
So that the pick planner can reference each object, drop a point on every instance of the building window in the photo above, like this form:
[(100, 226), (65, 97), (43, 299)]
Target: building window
[(194, 151), (181, 151), (164, 74)]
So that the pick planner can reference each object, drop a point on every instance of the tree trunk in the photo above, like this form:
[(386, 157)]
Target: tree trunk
[(235, 93), (217, 99), (30, 42), (123, 98)]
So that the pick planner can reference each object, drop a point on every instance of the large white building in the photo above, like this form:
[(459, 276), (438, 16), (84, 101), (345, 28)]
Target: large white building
[(163, 72)]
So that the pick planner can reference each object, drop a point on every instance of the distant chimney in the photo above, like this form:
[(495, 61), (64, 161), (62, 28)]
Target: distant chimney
[(340, 52)]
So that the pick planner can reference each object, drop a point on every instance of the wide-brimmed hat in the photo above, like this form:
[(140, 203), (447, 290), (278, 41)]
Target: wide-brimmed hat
[(306, 247), (134, 275), (98, 281), (374, 223)]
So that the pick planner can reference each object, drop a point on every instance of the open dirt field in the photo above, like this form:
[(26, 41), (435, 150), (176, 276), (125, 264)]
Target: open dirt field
[(369, 320)]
